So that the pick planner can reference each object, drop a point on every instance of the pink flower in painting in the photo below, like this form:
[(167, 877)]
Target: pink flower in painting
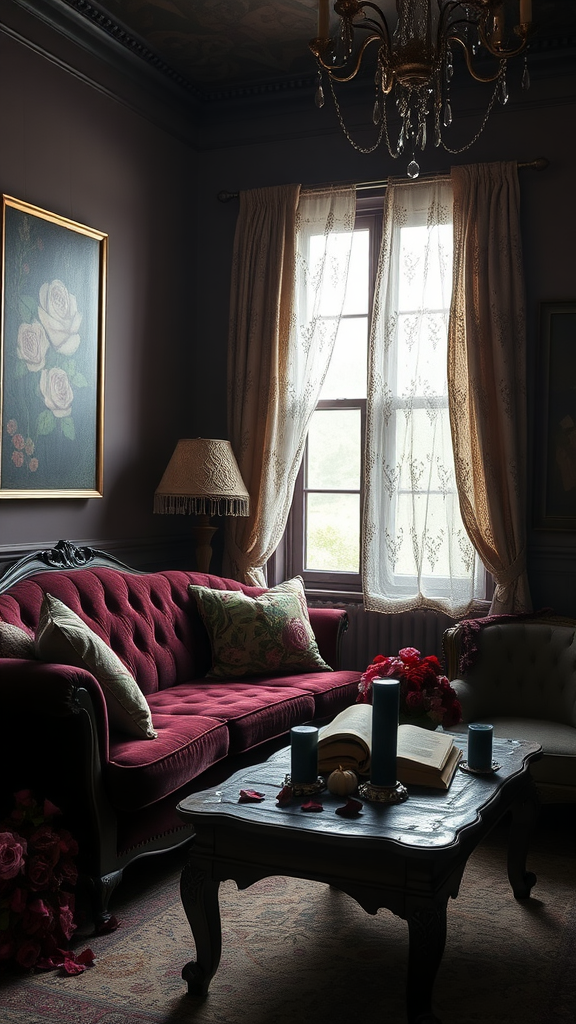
[(11, 426), (18, 441), (18, 459), (29, 446), (33, 465), (32, 345), (12, 852), (57, 391), (59, 316)]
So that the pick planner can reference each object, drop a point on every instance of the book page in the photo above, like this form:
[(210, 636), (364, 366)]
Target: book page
[(422, 746), (353, 721)]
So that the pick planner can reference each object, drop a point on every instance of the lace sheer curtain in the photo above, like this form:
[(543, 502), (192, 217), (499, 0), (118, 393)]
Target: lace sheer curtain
[(290, 267), (487, 374), (416, 552)]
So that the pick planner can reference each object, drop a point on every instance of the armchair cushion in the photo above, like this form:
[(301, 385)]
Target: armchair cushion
[(63, 637), (522, 680), (259, 635)]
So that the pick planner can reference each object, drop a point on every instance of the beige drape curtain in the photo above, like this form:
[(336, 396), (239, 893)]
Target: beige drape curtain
[(288, 283), (487, 374)]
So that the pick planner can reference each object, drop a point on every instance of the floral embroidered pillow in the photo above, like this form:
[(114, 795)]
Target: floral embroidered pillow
[(266, 635)]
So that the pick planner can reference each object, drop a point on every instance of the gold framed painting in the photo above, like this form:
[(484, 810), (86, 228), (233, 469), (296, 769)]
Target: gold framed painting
[(51, 355)]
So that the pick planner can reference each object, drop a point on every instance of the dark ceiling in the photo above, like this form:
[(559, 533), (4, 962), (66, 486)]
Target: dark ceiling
[(215, 43)]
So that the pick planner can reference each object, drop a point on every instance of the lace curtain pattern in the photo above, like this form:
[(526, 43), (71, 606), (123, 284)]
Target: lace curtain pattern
[(290, 266), (487, 374), (416, 552)]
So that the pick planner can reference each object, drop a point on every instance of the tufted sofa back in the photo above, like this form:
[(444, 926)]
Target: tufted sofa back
[(526, 669), (149, 620)]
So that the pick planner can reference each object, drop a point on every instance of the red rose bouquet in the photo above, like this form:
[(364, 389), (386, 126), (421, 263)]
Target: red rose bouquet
[(426, 696), (37, 879)]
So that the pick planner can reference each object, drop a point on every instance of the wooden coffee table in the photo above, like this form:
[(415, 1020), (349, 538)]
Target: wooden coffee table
[(408, 857)]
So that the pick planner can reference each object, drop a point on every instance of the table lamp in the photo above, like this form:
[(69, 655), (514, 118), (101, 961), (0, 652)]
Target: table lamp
[(202, 479)]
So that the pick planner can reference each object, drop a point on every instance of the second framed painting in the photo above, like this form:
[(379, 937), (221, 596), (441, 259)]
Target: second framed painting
[(52, 355)]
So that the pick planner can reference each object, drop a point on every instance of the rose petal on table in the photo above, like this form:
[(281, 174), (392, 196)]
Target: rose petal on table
[(311, 805), (350, 809), (250, 796), (284, 797)]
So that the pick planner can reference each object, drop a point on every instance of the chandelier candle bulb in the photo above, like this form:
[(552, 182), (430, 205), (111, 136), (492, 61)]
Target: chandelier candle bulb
[(480, 746), (323, 19), (304, 754), (385, 710), (525, 12)]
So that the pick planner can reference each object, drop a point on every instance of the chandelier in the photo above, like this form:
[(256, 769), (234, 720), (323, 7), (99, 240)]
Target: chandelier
[(415, 62)]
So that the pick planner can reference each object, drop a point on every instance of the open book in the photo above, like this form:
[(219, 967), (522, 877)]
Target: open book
[(424, 757)]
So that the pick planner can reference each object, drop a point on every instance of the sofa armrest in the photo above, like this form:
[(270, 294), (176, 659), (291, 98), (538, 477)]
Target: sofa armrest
[(329, 625), (42, 688)]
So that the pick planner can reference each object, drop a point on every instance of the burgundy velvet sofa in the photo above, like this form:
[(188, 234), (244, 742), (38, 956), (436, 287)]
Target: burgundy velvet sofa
[(119, 793)]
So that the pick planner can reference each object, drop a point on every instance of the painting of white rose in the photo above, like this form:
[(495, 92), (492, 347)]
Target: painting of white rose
[(52, 352)]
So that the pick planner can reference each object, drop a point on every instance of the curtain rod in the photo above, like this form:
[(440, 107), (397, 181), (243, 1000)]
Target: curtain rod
[(534, 165)]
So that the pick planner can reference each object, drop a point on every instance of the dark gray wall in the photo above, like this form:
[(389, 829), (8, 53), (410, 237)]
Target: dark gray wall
[(73, 149), (88, 142)]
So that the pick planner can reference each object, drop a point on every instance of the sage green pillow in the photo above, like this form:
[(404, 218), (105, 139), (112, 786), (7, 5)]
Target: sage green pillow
[(254, 636), (63, 637), (15, 642)]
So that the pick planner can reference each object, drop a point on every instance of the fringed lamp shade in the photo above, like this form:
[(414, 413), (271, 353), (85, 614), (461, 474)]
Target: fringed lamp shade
[(202, 478)]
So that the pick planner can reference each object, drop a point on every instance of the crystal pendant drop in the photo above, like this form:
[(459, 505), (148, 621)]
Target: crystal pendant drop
[(503, 91), (376, 112), (422, 136), (437, 135), (447, 114), (526, 77), (413, 169), (319, 97)]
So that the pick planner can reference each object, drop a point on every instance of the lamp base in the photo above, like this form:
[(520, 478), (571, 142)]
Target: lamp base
[(383, 794), (202, 533)]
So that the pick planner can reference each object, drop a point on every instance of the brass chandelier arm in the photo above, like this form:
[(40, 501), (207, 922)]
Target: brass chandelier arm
[(469, 65), (318, 46), (502, 54)]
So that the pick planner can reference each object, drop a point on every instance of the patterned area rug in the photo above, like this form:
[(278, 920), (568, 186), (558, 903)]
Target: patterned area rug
[(296, 951)]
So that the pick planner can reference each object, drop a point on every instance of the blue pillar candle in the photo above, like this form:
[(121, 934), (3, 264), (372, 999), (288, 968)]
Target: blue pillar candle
[(385, 709), (304, 753), (480, 746)]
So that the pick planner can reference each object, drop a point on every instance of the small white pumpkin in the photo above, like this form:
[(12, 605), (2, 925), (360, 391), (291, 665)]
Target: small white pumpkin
[(342, 781)]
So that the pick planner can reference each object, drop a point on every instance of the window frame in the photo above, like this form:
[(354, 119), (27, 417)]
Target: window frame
[(369, 210)]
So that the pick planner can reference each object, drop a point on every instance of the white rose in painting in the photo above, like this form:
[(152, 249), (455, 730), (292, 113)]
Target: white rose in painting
[(57, 392), (32, 345), (59, 316)]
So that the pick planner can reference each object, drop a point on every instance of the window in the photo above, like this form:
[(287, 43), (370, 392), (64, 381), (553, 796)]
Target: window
[(415, 550), (325, 523)]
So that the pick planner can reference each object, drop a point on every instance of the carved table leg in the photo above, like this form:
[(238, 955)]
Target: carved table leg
[(200, 901), (524, 813), (427, 935)]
